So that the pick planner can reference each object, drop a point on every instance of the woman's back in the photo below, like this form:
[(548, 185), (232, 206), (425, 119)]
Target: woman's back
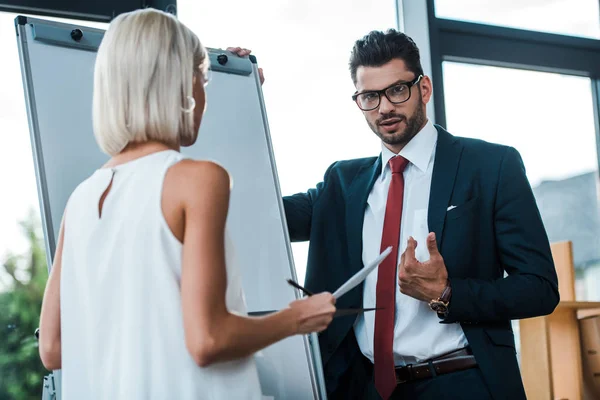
[(121, 309)]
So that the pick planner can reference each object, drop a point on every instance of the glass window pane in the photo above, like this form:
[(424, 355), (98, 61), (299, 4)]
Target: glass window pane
[(303, 47), (567, 17), (549, 119)]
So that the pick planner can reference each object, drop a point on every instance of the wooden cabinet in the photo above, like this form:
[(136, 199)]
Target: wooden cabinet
[(551, 360)]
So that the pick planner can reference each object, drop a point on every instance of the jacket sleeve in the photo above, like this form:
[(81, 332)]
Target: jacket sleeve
[(530, 288), (299, 209)]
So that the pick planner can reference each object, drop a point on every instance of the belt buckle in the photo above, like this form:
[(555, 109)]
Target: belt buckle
[(400, 381), (410, 377)]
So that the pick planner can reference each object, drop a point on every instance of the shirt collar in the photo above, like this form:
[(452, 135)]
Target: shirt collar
[(418, 151)]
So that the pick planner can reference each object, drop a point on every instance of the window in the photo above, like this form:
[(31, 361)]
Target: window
[(567, 17), (549, 119), (304, 48)]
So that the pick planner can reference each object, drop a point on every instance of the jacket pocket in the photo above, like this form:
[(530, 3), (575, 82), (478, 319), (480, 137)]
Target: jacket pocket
[(463, 209)]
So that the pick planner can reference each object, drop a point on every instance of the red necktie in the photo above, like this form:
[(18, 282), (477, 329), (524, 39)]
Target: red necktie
[(385, 375)]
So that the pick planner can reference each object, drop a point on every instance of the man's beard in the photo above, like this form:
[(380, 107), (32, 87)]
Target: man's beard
[(413, 126)]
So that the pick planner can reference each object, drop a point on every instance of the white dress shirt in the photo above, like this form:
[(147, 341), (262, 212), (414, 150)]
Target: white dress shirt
[(418, 334)]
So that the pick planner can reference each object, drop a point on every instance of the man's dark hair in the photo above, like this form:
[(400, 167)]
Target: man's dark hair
[(378, 48)]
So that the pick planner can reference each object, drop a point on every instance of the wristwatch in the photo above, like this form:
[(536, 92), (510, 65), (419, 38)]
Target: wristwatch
[(440, 305)]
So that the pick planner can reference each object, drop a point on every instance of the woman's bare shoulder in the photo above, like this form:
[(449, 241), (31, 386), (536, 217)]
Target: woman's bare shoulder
[(195, 179)]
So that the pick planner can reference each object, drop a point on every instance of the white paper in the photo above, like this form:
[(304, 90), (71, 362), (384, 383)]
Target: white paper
[(361, 275)]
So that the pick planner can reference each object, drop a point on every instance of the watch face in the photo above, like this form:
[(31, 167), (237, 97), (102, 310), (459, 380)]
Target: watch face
[(438, 306)]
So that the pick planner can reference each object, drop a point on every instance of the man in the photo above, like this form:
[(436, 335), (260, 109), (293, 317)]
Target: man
[(458, 212)]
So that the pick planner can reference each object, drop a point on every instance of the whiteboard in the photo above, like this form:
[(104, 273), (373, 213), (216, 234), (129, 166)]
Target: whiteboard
[(57, 64)]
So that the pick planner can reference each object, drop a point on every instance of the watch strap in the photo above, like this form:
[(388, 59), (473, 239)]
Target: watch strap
[(447, 293)]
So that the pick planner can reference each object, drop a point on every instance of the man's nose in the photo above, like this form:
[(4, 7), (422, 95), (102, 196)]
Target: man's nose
[(385, 106)]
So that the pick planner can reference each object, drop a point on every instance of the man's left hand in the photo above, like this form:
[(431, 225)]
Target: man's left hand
[(242, 52), (422, 280)]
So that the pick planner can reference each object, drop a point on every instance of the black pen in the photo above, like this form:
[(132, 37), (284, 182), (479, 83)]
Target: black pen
[(294, 284)]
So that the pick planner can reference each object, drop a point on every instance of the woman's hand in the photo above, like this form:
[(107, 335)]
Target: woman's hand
[(314, 313)]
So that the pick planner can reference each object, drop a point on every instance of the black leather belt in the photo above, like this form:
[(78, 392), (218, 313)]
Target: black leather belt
[(452, 362)]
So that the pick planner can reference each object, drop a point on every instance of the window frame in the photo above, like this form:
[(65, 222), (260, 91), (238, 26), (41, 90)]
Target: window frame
[(491, 45)]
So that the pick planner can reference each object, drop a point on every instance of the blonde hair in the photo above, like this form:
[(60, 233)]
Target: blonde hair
[(143, 76)]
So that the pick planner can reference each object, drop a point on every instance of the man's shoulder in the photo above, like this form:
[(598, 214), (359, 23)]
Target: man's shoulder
[(481, 145), (348, 169), (480, 149), (355, 164)]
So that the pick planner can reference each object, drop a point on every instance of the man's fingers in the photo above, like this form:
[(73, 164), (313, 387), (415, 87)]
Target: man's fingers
[(401, 266), (410, 249), (239, 51), (243, 52), (432, 245)]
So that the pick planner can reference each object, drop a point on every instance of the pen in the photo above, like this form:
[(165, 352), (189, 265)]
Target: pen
[(294, 284)]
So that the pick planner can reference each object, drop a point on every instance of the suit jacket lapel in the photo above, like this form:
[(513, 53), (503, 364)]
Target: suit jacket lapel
[(355, 210), (447, 157)]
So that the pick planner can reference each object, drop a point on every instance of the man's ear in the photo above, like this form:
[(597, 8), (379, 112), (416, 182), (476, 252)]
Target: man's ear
[(426, 89)]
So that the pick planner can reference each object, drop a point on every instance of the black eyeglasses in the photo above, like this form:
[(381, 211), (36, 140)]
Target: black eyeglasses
[(396, 94)]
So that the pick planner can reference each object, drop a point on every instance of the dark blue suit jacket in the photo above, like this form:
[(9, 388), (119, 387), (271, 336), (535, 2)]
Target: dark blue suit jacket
[(495, 228)]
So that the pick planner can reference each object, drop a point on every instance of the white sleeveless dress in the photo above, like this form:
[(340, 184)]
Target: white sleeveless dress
[(121, 319)]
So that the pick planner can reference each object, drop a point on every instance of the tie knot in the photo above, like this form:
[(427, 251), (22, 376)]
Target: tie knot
[(397, 164)]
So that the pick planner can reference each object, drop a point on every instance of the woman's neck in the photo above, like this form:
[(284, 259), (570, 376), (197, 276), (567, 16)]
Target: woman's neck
[(136, 150)]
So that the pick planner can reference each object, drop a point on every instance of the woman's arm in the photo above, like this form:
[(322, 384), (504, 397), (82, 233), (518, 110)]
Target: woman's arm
[(212, 333), (49, 341)]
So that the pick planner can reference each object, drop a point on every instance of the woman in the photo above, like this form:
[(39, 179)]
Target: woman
[(143, 301)]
